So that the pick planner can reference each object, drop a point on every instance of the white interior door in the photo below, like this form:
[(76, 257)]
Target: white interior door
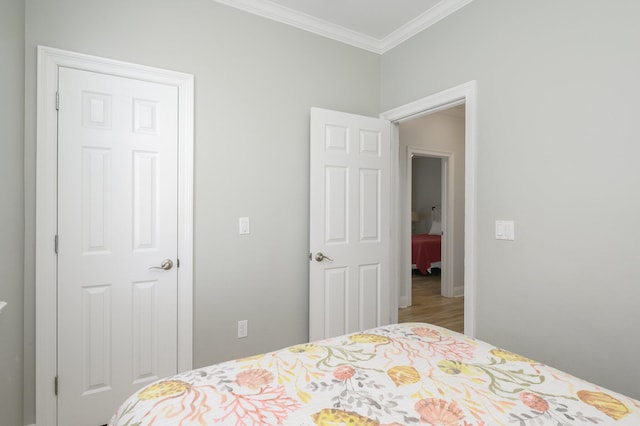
[(117, 218), (349, 223)]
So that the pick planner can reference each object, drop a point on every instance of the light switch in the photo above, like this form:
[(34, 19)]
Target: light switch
[(505, 230), (244, 226)]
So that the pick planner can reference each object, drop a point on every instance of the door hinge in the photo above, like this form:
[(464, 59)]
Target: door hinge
[(57, 101), (55, 385), (56, 244)]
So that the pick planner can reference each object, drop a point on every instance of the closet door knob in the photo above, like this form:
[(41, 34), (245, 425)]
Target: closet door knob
[(165, 264)]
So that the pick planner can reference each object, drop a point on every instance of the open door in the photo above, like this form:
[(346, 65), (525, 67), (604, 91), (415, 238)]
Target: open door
[(349, 272)]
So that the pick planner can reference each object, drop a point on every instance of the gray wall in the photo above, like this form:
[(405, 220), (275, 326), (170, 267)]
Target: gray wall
[(11, 209), (255, 82), (558, 152)]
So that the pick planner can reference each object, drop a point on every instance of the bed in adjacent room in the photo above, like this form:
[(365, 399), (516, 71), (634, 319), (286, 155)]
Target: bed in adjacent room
[(400, 374), (426, 249), (426, 252)]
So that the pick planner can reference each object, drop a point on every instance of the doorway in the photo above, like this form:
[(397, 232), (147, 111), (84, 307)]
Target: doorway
[(435, 192), (464, 94)]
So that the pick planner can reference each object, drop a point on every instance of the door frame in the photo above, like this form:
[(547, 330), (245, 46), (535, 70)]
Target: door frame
[(465, 93), (446, 199), (49, 61)]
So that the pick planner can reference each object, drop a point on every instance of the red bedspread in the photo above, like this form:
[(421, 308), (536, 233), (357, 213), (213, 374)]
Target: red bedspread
[(425, 250)]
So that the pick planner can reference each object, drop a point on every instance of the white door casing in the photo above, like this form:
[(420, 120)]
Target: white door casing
[(117, 218), (464, 93), (349, 223), (448, 213), (50, 63)]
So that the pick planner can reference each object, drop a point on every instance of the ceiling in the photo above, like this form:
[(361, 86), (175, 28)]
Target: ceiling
[(374, 25)]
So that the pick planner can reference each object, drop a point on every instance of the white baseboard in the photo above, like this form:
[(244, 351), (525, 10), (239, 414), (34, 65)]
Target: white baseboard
[(458, 291), (403, 302)]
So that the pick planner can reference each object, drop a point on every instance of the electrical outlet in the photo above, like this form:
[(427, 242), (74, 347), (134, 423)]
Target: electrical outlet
[(243, 328)]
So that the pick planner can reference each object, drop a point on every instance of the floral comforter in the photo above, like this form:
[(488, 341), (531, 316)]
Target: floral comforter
[(402, 374)]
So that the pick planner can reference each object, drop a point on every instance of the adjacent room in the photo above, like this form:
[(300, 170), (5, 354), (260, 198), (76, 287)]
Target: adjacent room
[(538, 225), (434, 146)]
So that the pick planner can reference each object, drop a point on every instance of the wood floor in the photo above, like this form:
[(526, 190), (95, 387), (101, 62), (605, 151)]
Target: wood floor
[(428, 306)]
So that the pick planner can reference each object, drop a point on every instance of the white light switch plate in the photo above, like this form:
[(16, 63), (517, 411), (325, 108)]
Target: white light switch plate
[(505, 230), (243, 328), (244, 226)]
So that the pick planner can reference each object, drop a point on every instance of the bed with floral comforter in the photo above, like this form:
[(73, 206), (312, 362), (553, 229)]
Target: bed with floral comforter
[(401, 374)]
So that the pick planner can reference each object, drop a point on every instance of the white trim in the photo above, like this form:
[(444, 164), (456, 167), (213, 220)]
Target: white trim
[(421, 23), (395, 223), (49, 60), (303, 21), (465, 93), (285, 15)]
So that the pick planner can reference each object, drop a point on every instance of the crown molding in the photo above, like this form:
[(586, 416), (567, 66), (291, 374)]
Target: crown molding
[(285, 15), (421, 23), (303, 21)]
